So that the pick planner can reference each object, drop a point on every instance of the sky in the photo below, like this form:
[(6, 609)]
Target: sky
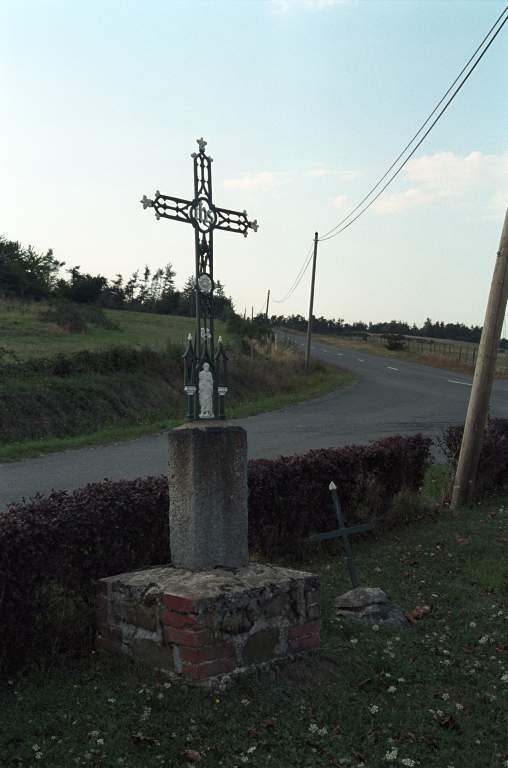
[(304, 104)]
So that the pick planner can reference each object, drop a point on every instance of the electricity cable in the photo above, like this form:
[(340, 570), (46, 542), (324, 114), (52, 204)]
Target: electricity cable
[(328, 235), (301, 273)]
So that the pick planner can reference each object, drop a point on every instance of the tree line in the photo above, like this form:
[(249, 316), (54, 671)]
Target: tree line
[(26, 274), (429, 329)]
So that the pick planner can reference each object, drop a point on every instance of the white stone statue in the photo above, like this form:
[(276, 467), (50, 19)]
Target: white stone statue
[(206, 392)]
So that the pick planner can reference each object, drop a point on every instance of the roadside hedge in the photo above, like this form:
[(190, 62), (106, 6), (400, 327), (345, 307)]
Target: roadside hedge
[(492, 474), (54, 549), (289, 497)]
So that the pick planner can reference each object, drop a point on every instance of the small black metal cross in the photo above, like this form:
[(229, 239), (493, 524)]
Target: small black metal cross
[(204, 217), (344, 532)]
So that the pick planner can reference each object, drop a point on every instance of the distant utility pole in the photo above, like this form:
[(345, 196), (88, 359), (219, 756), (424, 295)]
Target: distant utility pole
[(252, 315), (309, 325), (267, 303), (483, 376)]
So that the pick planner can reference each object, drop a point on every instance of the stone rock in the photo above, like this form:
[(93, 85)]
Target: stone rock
[(357, 598), (207, 476), (370, 605)]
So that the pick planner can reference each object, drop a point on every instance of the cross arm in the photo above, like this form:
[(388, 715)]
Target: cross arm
[(232, 221), (169, 207), (341, 532)]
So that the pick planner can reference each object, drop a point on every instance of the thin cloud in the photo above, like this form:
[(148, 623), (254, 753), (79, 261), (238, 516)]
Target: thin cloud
[(263, 180), (339, 202), (445, 176), (344, 175)]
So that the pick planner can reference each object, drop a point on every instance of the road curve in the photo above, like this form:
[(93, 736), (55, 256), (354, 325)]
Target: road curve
[(390, 397)]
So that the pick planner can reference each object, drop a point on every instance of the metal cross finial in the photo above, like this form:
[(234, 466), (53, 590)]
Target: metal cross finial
[(343, 532), (205, 217)]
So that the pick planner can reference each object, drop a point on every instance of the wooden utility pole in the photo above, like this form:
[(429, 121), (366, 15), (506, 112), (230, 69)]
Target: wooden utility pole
[(252, 315), (267, 303), (309, 325), (483, 377)]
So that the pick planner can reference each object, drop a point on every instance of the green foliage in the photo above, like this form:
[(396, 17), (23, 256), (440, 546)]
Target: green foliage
[(76, 318), (25, 273), (395, 341)]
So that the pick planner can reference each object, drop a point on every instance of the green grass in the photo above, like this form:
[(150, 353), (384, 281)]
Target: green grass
[(22, 332), (45, 413), (435, 695)]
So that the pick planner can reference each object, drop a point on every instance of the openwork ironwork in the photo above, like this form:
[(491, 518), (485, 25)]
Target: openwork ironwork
[(205, 217)]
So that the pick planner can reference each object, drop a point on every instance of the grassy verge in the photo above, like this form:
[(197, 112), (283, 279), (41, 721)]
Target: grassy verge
[(435, 695), (47, 414), (377, 348)]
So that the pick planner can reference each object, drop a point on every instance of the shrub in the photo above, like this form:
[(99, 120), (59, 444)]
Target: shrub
[(53, 550), (71, 540), (75, 318), (108, 361), (289, 498), (492, 474), (395, 341)]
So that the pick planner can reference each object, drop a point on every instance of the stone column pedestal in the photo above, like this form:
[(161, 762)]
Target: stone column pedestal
[(207, 473)]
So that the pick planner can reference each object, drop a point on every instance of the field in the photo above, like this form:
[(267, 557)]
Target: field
[(22, 331), (123, 378), (433, 695)]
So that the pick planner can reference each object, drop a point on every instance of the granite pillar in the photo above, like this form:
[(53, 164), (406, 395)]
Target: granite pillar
[(207, 473)]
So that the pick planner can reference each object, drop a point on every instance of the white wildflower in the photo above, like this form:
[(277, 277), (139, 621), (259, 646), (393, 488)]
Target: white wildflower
[(313, 727), (245, 702), (472, 624), (251, 749), (374, 708), (483, 640), (353, 640), (459, 706), (111, 701), (408, 761), (392, 689), (322, 732)]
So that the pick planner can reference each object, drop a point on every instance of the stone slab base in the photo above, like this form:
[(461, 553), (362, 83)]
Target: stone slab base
[(198, 625)]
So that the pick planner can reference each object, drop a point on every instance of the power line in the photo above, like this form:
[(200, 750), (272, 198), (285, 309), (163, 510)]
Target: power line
[(329, 234), (301, 273)]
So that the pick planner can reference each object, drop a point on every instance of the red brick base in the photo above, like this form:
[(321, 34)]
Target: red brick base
[(199, 625)]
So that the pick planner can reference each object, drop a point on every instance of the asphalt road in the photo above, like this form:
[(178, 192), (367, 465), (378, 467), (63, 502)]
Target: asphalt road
[(389, 398)]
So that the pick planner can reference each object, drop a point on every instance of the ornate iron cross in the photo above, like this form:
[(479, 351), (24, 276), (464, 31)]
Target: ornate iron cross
[(344, 532), (205, 387)]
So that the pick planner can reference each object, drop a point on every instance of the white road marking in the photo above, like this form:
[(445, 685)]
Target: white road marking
[(465, 383), (392, 369), (339, 354), (360, 361)]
